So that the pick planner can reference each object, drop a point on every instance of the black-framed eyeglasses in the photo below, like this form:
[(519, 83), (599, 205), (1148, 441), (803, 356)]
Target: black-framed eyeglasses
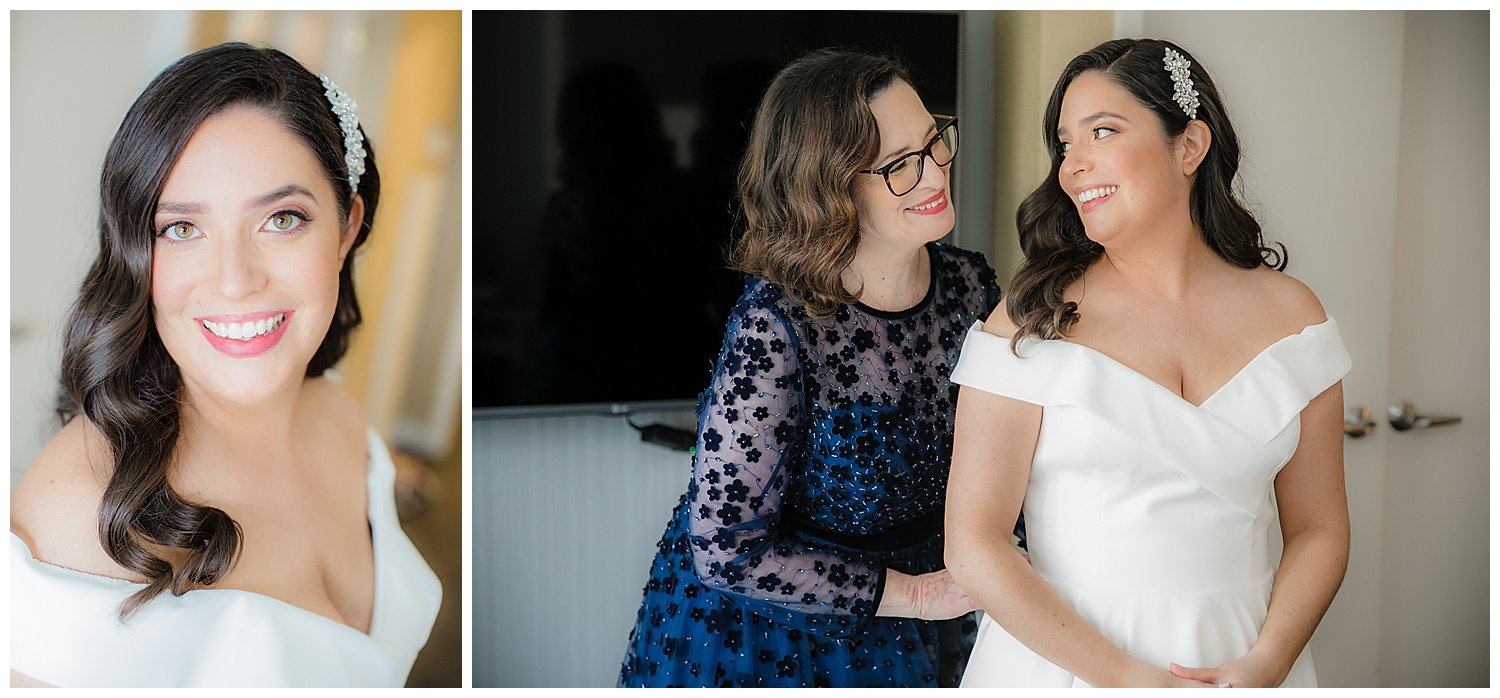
[(903, 174)]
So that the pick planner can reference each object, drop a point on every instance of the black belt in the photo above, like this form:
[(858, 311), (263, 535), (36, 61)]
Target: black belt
[(898, 537)]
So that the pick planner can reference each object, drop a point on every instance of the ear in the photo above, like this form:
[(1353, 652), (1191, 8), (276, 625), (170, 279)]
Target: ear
[(351, 226), (1192, 146)]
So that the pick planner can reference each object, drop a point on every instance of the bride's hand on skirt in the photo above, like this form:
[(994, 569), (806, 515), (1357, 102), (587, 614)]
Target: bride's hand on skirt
[(1245, 672), (1139, 674)]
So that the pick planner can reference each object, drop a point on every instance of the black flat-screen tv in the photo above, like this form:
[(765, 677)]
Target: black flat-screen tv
[(605, 149)]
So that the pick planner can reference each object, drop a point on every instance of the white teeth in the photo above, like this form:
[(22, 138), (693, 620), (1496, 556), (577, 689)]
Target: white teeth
[(245, 330), (1092, 194), (925, 207)]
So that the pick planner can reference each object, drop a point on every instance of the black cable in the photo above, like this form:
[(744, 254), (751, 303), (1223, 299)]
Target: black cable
[(663, 435)]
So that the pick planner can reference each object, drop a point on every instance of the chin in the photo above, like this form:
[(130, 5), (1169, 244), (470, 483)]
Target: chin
[(209, 374), (936, 229), (1099, 235), (249, 387)]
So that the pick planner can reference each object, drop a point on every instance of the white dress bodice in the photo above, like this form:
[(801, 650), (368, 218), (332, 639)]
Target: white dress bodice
[(1155, 518), (65, 629)]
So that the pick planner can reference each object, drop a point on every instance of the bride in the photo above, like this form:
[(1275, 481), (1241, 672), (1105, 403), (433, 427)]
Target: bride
[(1162, 396), (214, 511)]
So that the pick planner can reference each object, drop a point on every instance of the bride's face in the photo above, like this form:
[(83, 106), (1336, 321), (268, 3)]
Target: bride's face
[(1120, 170), (245, 272)]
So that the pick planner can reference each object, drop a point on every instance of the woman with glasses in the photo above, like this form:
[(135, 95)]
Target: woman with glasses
[(808, 548)]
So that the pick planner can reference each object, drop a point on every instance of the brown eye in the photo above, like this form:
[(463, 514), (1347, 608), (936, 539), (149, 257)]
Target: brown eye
[(283, 222), (180, 231)]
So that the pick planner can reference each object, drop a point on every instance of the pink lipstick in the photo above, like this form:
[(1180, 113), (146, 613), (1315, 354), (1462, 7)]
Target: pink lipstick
[(246, 334)]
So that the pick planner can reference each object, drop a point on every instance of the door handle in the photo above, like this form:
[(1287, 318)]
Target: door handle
[(1357, 422), (1404, 416)]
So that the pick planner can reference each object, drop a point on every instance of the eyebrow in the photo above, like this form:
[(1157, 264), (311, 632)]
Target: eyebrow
[(886, 157), (177, 208), (277, 195), (1096, 116)]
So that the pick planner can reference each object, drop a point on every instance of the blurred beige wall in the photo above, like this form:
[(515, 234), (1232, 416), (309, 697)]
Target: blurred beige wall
[(1031, 50)]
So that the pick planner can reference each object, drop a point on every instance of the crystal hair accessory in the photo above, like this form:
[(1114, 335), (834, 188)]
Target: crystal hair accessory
[(1182, 82), (354, 141)]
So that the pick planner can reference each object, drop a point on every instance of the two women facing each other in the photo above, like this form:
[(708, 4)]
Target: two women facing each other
[(1149, 324)]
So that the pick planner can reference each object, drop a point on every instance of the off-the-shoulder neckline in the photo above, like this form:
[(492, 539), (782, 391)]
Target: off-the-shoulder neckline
[(1032, 342), (375, 545)]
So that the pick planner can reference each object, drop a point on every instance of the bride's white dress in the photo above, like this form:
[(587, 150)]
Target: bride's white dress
[(1153, 517), (64, 629)]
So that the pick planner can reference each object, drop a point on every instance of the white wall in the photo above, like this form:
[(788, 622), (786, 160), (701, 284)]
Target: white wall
[(567, 513), (57, 145), (1435, 621)]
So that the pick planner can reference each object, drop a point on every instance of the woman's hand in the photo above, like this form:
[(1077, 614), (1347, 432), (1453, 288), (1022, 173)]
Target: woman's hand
[(940, 598), (1249, 671), (1138, 674), (931, 596)]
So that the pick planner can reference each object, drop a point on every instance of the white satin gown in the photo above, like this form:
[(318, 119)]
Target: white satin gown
[(64, 629), (1154, 518)]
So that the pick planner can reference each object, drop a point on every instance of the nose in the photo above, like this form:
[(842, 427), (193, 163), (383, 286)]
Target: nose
[(933, 175), (1076, 161), (241, 269)]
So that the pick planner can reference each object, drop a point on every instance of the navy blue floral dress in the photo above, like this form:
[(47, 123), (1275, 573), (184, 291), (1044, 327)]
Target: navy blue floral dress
[(822, 461)]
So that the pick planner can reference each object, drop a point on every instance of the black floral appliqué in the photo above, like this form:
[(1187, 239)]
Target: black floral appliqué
[(841, 424)]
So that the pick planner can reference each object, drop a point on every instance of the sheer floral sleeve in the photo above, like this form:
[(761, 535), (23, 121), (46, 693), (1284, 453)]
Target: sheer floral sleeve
[(752, 427)]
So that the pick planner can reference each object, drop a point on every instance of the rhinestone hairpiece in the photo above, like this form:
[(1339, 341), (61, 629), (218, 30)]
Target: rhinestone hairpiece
[(1182, 82), (354, 141)]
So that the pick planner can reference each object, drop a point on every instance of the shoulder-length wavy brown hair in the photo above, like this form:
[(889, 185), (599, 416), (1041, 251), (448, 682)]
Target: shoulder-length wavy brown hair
[(1056, 248), (812, 132), (115, 369)]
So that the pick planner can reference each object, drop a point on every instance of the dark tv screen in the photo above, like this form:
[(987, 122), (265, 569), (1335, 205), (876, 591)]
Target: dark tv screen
[(605, 150)]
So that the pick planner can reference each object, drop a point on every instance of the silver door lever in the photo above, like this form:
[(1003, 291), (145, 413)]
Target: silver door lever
[(1404, 416), (1357, 422)]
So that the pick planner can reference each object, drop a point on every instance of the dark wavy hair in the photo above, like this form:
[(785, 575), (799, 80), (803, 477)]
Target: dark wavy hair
[(115, 370), (812, 132), (1056, 248)]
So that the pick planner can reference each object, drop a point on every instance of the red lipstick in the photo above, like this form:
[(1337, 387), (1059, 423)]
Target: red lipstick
[(935, 209)]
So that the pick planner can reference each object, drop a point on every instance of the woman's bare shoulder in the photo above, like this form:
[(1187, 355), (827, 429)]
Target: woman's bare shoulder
[(1294, 305), (338, 410), (998, 323), (20, 680), (55, 506)]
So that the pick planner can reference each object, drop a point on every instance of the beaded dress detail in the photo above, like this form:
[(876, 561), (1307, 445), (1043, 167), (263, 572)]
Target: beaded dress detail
[(822, 461)]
